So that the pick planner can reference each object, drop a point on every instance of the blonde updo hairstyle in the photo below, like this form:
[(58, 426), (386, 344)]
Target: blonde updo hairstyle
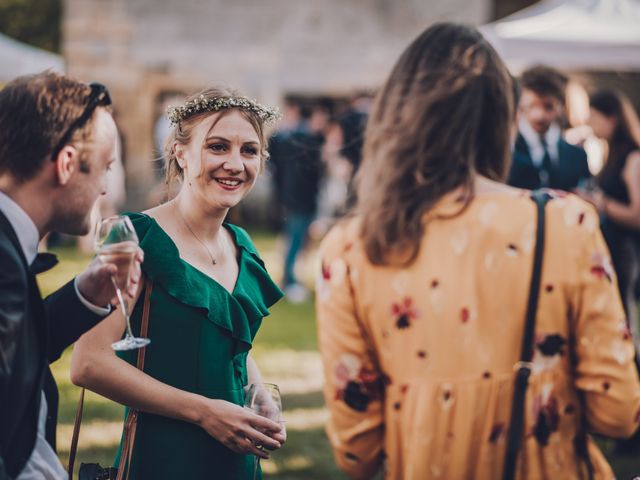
[(181, 133)]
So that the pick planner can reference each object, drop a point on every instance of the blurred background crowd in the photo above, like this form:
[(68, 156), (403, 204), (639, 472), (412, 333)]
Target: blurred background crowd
[(321, 63)]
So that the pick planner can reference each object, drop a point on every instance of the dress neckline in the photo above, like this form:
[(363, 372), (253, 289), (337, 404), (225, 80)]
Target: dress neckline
[(234, 238)]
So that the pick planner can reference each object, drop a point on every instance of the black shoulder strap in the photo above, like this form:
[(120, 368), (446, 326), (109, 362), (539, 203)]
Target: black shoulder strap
[(523, 367)]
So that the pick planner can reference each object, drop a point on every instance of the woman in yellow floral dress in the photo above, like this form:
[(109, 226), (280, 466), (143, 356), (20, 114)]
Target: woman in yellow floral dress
[(422, 294)]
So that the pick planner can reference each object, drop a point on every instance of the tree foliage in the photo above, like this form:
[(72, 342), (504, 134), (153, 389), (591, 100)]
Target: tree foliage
[(36, 22)]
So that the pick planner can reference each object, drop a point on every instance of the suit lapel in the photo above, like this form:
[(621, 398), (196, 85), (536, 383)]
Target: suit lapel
[(6, 227), (562, 152), (563, 167), (522, 148), (35, 298)]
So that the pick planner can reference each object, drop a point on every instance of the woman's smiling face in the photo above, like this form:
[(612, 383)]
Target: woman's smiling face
[(221, 163)]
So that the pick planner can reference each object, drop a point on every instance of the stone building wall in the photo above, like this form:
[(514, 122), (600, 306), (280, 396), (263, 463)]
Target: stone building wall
[(144, 49)]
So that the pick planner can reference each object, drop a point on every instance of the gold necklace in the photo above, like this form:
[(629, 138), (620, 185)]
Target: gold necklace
[(213, 260)]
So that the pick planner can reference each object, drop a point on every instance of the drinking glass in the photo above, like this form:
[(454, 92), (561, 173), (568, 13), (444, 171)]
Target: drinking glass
[(265, 400), (116, 242)]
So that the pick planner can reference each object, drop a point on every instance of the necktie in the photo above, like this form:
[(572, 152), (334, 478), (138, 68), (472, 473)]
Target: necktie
[(545, 168), (43, 262)]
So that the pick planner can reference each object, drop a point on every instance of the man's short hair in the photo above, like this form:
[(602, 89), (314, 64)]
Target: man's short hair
[(35, 112), (545, 81)]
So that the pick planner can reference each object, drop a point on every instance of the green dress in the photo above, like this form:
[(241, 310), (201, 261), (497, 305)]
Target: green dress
[(200, 336)]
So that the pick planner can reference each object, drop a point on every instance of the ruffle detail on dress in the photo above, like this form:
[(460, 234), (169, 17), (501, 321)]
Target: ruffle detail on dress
[(253, 294)]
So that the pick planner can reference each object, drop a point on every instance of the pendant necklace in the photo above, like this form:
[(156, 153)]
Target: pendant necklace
[(213, 259)]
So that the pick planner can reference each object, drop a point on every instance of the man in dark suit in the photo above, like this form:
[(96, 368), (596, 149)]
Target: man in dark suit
[(541, 157), (352, 127), (298, 168), (57, 141)]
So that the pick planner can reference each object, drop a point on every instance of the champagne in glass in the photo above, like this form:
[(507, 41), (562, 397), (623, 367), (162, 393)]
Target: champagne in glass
[(122, 255), (265, 400), (116, 243)]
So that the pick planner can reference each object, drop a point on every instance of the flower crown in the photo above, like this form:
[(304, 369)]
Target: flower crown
[(203, 104)]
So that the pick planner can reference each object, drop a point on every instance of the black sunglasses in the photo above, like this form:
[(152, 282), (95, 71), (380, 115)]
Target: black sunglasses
[(99, 97)]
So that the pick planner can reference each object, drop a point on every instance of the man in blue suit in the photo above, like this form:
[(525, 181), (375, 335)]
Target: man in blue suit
[(541, 157)]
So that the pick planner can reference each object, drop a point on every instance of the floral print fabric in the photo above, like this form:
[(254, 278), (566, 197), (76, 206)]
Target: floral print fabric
[(419, 360)]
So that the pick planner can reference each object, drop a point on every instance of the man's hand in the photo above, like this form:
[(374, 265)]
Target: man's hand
[(96, 285)]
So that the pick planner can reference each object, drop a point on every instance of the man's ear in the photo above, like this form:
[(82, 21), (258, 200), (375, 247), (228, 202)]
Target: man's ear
[(65, 164)]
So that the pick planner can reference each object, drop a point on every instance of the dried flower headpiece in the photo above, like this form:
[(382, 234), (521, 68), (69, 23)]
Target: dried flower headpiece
[(204, 104)]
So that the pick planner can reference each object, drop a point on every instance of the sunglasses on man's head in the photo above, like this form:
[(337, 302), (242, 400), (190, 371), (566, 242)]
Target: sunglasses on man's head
[(99, 97)]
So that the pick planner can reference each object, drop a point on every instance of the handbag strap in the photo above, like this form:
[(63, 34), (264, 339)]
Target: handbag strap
[(128, 423), (523, 367), (76, 434), (131, 422)]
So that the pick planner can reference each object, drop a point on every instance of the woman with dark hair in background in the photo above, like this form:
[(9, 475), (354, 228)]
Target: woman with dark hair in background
[(422, 294), (614, 120)]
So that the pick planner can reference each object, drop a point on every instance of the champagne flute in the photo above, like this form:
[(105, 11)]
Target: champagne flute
[(265, 400), (116, 242)]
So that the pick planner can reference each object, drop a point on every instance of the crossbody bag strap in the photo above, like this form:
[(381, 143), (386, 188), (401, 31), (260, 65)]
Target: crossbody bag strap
[(76, 434), (131, 421), (523, 367)]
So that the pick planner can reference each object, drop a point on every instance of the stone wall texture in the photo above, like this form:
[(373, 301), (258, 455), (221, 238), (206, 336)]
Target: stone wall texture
[(144, 50)]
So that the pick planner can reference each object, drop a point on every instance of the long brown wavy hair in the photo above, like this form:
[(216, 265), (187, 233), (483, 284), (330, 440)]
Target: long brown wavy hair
[(443, 115), (626, 135)]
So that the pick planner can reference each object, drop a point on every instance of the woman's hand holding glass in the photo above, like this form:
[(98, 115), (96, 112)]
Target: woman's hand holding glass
[(265, 400), (239, 429)]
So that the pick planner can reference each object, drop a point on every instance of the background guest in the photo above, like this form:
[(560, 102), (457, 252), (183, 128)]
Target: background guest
[(281, 149), (352, 126), (614, 120), (542, 158), (297, 161)]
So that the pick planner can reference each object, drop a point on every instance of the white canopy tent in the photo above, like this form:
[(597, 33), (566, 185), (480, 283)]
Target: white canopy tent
[(570, 34), (18, 58)]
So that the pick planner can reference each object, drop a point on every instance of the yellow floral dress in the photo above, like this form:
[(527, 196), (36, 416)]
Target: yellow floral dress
[(419, 360)]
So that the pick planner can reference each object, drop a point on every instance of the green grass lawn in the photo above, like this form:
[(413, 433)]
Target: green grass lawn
[(285, 349)]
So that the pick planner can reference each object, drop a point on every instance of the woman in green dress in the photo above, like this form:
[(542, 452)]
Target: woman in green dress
[(210, 293)]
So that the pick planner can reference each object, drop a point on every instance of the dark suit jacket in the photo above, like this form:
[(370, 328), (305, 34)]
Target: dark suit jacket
[(566, 173), (297, 167), (33, 333)]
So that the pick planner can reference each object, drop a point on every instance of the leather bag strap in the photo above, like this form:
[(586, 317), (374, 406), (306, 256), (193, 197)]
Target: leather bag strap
[(131, 422), (76, 434), (523, 367), (132, 416)]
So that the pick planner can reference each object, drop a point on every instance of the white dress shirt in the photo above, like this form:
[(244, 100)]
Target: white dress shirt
[(43, 464), (536, 149)]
